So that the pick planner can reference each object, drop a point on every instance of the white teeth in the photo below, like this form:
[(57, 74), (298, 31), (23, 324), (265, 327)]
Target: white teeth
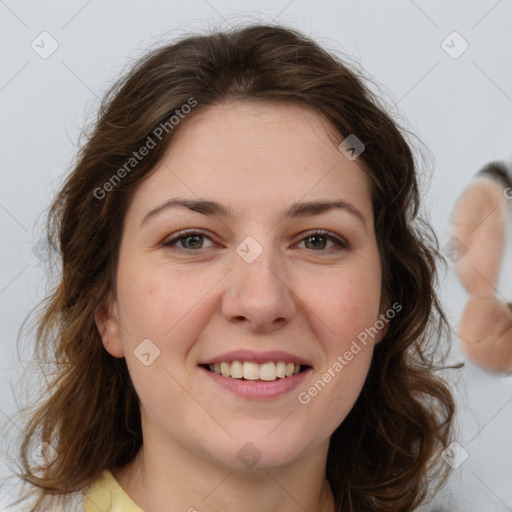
[(268, 371), (225, 370), (249, 370), (237, 369)]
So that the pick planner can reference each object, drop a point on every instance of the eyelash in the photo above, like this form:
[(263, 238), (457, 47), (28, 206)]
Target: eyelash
[(172, 243)]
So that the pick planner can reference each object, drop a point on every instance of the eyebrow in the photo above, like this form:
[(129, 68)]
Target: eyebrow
[(298, 209)]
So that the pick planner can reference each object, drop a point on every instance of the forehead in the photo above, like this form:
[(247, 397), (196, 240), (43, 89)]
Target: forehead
[(259, 117), (256, 157)]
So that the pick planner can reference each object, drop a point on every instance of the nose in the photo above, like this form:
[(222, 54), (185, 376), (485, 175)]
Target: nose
[(258, 294)]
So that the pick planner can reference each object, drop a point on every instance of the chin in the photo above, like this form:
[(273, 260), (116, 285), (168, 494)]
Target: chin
[(256, 452)]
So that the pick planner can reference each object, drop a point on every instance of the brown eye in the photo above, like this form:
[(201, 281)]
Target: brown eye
[(318, 241)]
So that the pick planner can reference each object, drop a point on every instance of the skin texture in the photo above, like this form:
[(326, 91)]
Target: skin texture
[(258, 159), (485, 329)]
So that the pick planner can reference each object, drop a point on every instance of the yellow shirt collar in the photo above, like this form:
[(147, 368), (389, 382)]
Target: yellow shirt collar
[(106, 495)]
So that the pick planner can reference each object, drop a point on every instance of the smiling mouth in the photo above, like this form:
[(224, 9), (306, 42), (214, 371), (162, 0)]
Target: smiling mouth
[(249, 370)]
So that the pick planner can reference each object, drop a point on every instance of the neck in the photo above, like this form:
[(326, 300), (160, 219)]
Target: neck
[(178, 480)]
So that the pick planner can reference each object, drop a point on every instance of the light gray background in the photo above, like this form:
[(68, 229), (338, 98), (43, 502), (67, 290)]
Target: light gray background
[(460, 108)]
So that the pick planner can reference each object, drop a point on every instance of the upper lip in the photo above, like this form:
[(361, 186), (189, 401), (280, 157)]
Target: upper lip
[(258, 357)]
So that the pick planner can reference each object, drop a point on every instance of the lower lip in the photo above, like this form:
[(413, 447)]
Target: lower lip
[(258, 389)]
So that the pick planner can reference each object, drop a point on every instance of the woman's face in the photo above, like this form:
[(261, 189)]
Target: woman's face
[(250, 282)]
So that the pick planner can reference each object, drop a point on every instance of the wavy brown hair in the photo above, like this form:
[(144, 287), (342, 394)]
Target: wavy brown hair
[(386, 453)]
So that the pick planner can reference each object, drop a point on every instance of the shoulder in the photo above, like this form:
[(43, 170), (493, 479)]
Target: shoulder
[(103, 494)]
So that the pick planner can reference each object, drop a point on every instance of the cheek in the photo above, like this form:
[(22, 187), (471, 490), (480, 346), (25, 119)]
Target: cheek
[(156, 302), (346, 302), (330, 397), (162, 312), (346, 310), (170, 308)]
